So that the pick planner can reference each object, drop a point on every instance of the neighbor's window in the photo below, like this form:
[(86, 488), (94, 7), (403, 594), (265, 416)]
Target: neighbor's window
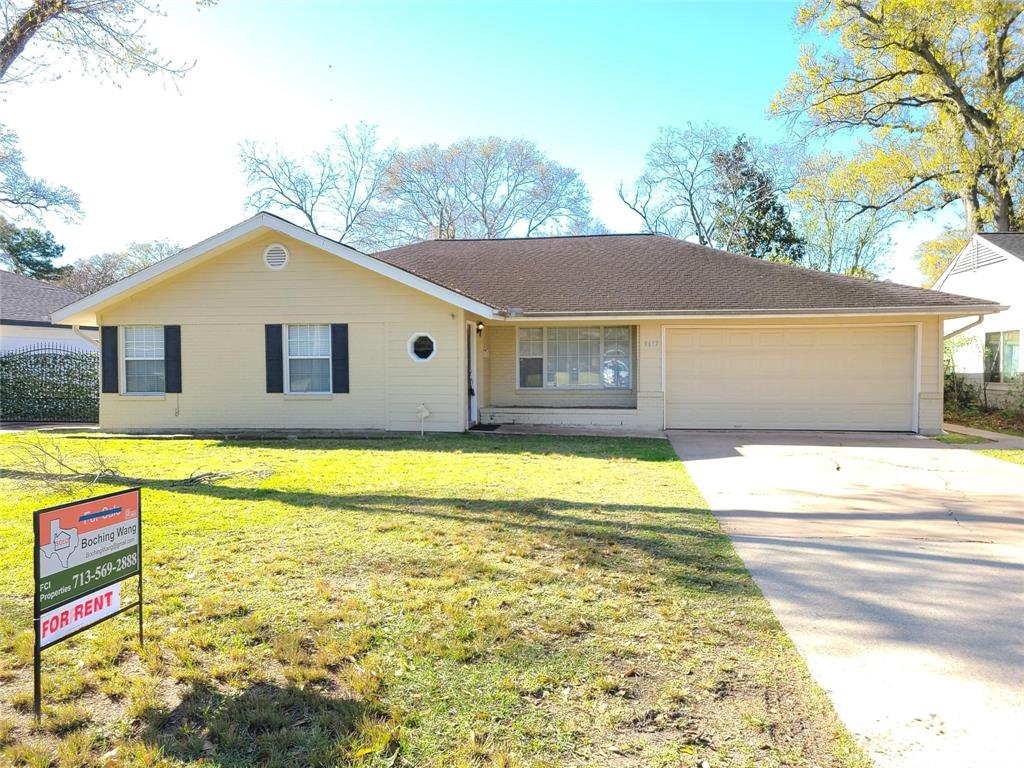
[(309, 358), (582, 358), (1002, 356), (144, 359)]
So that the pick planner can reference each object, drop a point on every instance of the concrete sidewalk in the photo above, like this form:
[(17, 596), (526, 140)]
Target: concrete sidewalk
[(998, 440)]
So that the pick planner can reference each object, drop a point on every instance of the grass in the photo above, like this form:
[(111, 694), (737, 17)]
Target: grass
[(955, 438), (1016, 456), (448, 601)]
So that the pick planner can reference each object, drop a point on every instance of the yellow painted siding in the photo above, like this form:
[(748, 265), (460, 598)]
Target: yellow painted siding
[(222, 306)]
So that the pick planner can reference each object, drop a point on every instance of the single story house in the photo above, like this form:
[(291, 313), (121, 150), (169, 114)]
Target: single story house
[(268, 325), (25, 307), (990, 265)]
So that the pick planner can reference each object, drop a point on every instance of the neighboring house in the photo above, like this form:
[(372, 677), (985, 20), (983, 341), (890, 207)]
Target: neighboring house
[(25, 307), (990, 265), (267, 325)]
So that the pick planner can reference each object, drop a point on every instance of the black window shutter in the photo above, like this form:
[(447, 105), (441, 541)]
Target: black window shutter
[(108, 355), (275, 364), (339, 357), (172, 358)]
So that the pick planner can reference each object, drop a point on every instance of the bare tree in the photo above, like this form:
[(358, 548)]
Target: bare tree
[(31, 195), (676, 193), (703, 183), (510, 185), (333, 190), (106, 36), (89, 275), (487, 188)]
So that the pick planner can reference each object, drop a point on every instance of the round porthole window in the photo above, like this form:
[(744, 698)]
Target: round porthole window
[(275, 256), (421, 347)]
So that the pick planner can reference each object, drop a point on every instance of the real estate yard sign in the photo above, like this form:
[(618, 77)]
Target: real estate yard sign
[(83, 551)]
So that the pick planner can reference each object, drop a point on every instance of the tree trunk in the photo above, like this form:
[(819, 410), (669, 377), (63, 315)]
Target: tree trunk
[(972, 214), (30, 22)]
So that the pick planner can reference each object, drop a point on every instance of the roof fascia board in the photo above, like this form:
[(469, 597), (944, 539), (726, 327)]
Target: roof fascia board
[(937, 285), (248, 227), (948, 311)]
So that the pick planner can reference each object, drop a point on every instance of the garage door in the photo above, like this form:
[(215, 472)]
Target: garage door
[(790, 378)]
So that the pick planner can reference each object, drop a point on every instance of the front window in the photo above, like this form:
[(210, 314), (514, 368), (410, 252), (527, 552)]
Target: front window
[(144, 360), (1002, 356), (309, 358), (591, 357)]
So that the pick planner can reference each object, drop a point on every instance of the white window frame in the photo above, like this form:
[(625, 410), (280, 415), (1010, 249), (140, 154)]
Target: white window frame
[(578, 387), (1002, 342), (123, 350), (412, 340), (288, 362)]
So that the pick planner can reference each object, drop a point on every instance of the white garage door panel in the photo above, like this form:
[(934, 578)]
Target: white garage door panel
[(790, 378)]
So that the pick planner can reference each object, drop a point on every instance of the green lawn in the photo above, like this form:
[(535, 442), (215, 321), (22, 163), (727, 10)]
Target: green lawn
[(1017, 457), (447, 601), (955, 438)]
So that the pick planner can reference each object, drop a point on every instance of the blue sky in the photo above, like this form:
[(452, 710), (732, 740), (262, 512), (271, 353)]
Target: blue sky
[(590, 82)]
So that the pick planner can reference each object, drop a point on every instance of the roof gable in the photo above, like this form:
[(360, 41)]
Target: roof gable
[(84, 310)]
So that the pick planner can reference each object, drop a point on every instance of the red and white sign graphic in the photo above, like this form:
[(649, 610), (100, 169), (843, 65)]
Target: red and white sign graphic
[(78, 614)]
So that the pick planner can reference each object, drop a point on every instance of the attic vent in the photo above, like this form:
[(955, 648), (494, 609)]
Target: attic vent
[(275, 256)]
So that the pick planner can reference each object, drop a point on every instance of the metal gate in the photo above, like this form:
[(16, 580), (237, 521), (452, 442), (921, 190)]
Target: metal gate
[(49, 382)]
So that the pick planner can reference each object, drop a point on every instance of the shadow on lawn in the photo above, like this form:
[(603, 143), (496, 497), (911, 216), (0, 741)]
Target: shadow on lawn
[(264, 724)]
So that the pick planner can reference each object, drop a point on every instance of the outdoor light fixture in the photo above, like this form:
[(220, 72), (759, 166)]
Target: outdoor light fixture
[(479, 328)]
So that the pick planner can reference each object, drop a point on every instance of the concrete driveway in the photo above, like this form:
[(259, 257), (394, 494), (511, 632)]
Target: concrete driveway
[(896, 564)]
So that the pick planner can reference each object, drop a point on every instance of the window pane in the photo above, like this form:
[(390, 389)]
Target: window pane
[(574, 357), (144, 376), (618, 360), (309, 340), (309, 375), (992, 356), (144, 342), (531, 342), (531, 371), (423, 347), (1011, 354)]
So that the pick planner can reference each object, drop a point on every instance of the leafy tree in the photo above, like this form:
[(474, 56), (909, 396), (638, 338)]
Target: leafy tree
[(89, 275), (106, 37), (30, 252), (938, 88), (752, 219), (842, 231), (724, 192), (933, 256), (25, 194)]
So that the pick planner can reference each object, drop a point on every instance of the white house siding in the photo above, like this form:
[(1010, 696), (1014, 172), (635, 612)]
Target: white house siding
[(14, 337), (997, 280), (222, 306)]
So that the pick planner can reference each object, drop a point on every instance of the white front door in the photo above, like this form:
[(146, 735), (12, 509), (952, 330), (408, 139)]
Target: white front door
[(471, 373)]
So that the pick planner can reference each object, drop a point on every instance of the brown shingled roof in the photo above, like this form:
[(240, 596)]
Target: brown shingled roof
[(644, 274), (23, 299)]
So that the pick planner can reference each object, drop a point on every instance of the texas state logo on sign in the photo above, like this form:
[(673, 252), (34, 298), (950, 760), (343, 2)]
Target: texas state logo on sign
[(86, 546)]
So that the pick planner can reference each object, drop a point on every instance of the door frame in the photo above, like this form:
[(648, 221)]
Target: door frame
[(472, 400), (916, 325)]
